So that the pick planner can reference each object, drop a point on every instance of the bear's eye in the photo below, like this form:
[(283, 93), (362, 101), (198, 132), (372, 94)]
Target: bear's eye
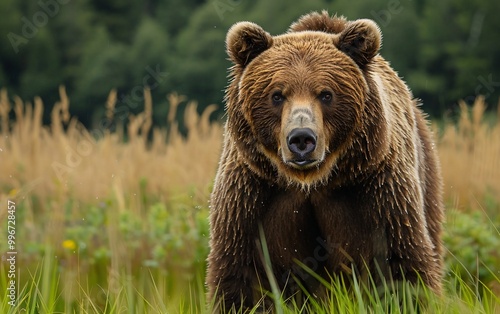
[(278, 98), (326, 97)]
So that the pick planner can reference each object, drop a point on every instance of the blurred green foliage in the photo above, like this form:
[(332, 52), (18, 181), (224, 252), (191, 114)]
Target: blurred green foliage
[(472, 241), (167, 236), (446, 50)]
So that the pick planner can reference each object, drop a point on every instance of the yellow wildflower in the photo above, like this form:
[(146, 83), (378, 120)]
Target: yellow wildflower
[(69, 244)]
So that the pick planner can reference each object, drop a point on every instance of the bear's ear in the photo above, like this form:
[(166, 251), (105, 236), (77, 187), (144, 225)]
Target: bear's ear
[(245, 41), (360, 40)]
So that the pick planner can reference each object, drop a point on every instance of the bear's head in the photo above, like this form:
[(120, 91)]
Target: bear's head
[(296, 100)]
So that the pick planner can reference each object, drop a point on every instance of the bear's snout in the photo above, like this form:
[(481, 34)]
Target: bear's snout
[(301, 142), (302, 139)]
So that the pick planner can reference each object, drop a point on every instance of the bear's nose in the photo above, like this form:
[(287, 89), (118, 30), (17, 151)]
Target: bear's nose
[(301, 142)]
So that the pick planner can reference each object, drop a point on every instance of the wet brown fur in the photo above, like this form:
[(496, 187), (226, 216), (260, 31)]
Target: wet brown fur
[(373, 204)]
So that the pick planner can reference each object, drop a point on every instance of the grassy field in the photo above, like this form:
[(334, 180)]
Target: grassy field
[(116, 221)]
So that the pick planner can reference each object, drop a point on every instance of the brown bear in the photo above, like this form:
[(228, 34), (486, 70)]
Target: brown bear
[(328, 157)]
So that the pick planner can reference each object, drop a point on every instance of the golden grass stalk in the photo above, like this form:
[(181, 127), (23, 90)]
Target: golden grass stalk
[(148, 114), (174, 100), (110, 104), (4, 110), (65, 116)]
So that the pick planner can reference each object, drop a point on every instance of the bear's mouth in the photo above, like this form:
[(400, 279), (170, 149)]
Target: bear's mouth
[(302, 163)]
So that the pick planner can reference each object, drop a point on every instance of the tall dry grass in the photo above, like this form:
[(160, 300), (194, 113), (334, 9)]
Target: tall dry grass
[(469, 151), (66, 160)]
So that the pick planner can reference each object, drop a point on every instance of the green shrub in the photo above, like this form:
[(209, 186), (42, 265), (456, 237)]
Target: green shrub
[(473, 246)]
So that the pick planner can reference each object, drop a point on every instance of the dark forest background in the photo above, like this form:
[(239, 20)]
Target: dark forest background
[(446, 50)]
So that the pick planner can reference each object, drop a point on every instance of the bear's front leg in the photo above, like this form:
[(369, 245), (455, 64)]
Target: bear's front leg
[(412, 254), (237, 204), (380, 231), (230, 287)]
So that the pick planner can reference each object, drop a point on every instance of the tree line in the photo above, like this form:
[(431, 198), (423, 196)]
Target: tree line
[(446, 50)]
